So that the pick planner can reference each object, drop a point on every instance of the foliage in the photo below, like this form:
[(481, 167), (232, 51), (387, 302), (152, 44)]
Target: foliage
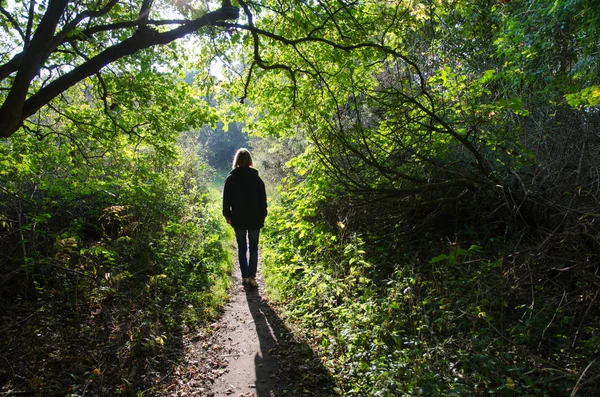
[(74, 41), (438, 236), (440, 107), (111, 249), (437, 232), (391, 318), (51, 48)]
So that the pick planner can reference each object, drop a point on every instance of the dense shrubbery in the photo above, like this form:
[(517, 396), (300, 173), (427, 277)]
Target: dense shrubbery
[(107, 257), (440, 233), (394, 315)]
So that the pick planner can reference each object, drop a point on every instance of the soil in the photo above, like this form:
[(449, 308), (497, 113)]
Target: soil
[(249, 351)]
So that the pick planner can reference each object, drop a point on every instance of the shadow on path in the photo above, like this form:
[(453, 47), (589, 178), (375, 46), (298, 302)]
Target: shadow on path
[(284, 365)]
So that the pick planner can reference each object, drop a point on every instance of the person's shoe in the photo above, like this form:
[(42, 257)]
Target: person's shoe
[(252, 282), (245, 281)]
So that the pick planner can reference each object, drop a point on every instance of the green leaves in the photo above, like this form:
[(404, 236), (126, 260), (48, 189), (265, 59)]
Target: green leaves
[(110, 232), (514, 104), (587, 98)]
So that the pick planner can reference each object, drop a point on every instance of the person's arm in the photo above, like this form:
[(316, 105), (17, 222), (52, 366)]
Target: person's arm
[(227, 200), (263, 198)]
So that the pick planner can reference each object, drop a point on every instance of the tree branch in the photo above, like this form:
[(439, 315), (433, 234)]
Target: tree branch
[(312, 39), (60, 38), (29, 23), (13, 22), (256, 53), (144, 12), (11, 112), (16, 109), (11, 66)]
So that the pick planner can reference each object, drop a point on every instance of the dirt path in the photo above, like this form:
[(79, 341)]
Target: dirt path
[(250, 352)]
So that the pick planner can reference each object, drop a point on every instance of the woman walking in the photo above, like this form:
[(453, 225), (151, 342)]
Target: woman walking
[(245, 208)]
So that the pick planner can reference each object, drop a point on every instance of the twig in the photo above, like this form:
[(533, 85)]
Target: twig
[(71, 270), (553, 317), (581, 376), (582, 318), (21, 321), (9, 365), (488, 323), (580, 165), (15, 195)]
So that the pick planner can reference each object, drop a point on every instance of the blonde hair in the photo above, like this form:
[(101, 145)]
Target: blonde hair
[(242, 158)]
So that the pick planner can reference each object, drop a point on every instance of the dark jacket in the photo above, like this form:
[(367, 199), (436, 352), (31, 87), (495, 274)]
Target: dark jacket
[(245, 199)]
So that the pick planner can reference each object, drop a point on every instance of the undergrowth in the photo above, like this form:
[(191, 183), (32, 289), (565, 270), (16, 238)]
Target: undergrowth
[(433, 318), (105, 266)]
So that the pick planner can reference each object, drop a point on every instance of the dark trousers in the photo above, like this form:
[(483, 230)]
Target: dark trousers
[(248, 266)]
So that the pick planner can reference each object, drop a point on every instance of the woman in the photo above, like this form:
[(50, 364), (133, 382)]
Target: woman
[(245, 208)]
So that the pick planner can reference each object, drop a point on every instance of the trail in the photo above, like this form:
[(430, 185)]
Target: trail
[(250, 352)]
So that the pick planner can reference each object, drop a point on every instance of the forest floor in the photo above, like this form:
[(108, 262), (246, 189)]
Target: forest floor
[(247, 352)]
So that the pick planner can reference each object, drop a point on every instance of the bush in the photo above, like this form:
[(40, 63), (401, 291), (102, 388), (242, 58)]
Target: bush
[(105, 265), (426, 316)]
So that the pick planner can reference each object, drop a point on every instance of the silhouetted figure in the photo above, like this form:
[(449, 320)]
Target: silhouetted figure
[(245, 208)]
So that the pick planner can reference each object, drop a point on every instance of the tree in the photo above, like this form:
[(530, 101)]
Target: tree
[(463, 105), (375, 99), (61, 43), (51, 47)]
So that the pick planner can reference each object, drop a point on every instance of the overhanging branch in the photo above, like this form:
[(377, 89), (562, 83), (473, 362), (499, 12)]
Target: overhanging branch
[(16, 108)]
